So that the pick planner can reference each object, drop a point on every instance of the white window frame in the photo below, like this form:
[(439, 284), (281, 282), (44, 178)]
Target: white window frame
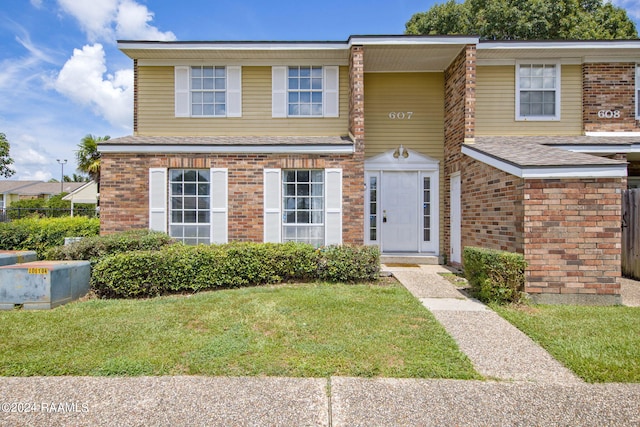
[(330, 92), (294, 210), (160, 202), (557, 90), (637, 92), (232, 92), (274, 210)]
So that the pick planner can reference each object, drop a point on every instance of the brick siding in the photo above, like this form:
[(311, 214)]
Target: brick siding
[(609, 86), (492, 208), (572, 237), (124, 189), (459, 122)]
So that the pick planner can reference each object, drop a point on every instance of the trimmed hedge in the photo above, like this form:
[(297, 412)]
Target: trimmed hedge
[(180, 268), (42, 234), (495, 276), (96, 247)]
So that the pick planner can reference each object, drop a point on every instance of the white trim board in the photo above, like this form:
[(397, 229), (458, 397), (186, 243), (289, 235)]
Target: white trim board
[(589, 171), (228, 149)]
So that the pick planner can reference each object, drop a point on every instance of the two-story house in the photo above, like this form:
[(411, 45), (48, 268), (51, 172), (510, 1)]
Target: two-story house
[(421, 145)]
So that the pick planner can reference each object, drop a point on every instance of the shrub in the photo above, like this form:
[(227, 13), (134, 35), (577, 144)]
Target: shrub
[(42, 234), (180, 268), (95, 247), (349, 263), (495, 276)]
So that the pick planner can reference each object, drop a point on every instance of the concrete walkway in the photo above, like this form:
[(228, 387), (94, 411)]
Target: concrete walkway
[(497, 349)]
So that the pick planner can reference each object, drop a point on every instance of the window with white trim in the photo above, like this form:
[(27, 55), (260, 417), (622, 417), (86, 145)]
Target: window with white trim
[(305, 91), (537, 91), (190, 205), (303, 206), (208, 91)]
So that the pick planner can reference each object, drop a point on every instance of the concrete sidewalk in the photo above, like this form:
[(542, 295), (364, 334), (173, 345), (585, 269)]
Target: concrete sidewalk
[(338, 401), (497, 349)]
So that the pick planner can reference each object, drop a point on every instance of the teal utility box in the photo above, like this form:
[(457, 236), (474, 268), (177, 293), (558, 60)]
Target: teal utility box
[(17, 257), (43, 284)]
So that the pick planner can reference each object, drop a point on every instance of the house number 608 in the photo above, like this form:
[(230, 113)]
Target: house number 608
[(400, 115), (609, 114)]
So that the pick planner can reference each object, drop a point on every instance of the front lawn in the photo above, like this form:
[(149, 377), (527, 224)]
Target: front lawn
[(310, 330), (599, 344)]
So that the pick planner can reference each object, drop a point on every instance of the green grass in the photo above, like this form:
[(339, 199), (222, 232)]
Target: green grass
[(310, 330), (599, 344)]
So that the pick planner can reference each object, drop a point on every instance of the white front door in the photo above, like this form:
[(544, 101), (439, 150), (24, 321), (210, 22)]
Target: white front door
[(455, 241), (399, 209)]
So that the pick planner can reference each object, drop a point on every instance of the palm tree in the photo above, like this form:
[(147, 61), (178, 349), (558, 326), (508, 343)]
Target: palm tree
[(88, 157)]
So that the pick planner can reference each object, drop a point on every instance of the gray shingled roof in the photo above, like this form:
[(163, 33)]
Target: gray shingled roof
[(532, 152), (564, 140), (229, 140), (36, 188)]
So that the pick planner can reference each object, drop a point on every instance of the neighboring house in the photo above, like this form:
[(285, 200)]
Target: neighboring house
[(87, 194), (11, 191), (421, 145)]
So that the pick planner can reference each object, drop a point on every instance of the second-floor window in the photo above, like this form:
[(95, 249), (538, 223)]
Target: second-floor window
[(538, 91), (305, 91), (208, 91)]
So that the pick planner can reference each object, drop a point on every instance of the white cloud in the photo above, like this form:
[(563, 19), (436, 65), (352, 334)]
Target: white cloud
[(95, 17), (83, 79), (133, 20), (109, 19), (36, 3)]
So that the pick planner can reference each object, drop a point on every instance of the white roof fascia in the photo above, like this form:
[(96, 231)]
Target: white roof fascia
[(608, 44), (124, 45), (409, 40), (630, 134), (599, 149), (258, 149), (542, 172)]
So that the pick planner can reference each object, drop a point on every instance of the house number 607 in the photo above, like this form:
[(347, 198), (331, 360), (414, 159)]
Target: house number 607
[(400, 115)]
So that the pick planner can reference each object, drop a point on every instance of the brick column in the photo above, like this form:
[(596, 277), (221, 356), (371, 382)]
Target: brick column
[(459, 122)]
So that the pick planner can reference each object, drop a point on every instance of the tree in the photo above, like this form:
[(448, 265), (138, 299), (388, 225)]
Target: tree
[(88, 157), (5, 160), (76, 178), (526, 20)]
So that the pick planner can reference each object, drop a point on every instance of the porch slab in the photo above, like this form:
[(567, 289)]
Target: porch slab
[(409, 259)]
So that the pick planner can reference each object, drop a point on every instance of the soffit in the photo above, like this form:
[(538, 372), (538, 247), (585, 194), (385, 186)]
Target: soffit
[(394, 58)]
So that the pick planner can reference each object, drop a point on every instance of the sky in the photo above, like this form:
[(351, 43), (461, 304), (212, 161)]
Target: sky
[(62, 76)]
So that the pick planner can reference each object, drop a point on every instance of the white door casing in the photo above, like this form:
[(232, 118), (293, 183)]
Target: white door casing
[(396, 187), (454, 218)]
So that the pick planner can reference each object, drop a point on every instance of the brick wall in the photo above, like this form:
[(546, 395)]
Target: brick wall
[(124, 189), (572, 238), (459, 122), (609, 87), (492, 208)]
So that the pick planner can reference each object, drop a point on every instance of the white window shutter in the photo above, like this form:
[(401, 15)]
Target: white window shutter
[(158, 199), (182, 101), (272, 211), (331, 98), (279, 91), (333, 206), (234, 91), (219, 205)]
